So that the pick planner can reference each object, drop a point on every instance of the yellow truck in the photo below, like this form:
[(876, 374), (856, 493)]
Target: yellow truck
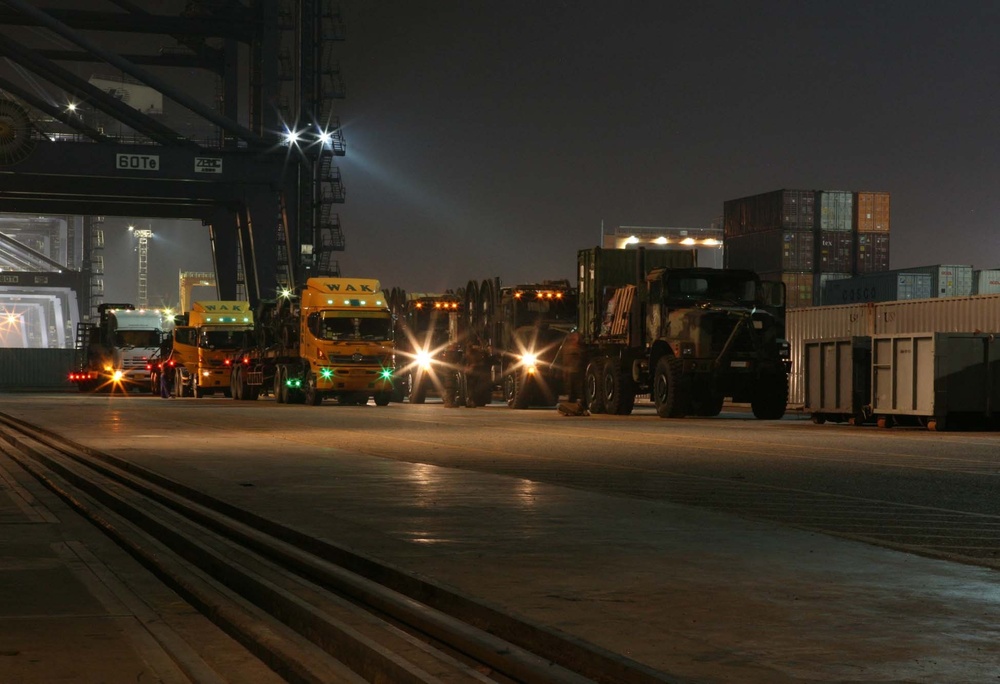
[(333, 340), (204, 341)]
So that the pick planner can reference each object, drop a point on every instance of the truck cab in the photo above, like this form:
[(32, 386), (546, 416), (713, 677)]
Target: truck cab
[(346, 343), (715, 333), (429, 341), (116, 352)]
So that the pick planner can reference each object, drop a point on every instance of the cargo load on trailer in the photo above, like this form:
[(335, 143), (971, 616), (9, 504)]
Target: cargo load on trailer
[(332, 339)]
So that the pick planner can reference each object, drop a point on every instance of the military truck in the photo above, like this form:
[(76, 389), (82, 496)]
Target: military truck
[(689, 337), (332, 339)]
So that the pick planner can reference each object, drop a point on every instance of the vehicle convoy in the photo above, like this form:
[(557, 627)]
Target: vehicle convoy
[(688, 336), (515, 340), (430, 346), (204, 340), (333, 339), (116, 351)]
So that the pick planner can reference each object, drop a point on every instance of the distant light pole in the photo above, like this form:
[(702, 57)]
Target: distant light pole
[(142, 235)]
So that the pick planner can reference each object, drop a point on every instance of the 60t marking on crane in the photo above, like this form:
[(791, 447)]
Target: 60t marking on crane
[(138, 162)]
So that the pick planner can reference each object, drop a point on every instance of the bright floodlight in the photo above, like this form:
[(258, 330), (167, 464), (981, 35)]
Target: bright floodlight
[(687, 241), (661, 240), (632, 239), (325, 138), (71, 106), (291, 137)]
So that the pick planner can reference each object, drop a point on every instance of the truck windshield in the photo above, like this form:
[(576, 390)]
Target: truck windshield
[(431, 326), (356, 328), (722, 287), (137, 338), (222, 339), (531, 309)]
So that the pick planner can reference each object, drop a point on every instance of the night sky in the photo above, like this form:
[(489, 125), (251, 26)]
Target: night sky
[(494, 138)]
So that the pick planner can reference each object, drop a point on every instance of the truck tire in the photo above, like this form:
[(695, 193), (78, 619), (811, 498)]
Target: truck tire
[(382, 398), (516, 391), (669, 394), (593, 389), (770, 397), (312, 395), (280, 387), (418, 388), (235, 386), (619, 389), (180, 388)]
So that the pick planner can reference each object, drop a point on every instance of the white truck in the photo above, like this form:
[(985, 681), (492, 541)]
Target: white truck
[(116, 353)]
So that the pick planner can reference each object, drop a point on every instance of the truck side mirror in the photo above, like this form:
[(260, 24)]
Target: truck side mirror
[(771, 293)]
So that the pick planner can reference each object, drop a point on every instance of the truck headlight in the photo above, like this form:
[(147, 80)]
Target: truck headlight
[(529, 361), (424, 359)]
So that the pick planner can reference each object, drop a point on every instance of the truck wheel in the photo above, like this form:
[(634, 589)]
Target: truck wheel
[(382, 398), (593, 390), (619, 389), (669, 394), (280, 387), (312, 395), (770, 397), (235, 385), (418, 389), (399, 389), (516, 391), (180, 389)]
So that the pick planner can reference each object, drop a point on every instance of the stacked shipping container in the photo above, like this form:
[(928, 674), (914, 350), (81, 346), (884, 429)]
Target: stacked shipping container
[(806, 238)]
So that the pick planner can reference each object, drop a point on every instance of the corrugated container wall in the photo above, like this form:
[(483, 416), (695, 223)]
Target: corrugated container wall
[(871, 253), (777, 210), (960, 314), (836, 252), (986, 281), (798, 287), (871, 212), (948, 280), (820, 281), (836, 210), (24, 368), (877, 287)]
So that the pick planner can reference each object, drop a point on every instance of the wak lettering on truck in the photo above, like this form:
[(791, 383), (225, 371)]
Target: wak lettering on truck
[(234, 308), (350, 287)]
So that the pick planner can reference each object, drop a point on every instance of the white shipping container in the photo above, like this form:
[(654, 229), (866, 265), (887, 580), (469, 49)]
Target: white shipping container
[(947, 280), (953, 314), (986, 281)]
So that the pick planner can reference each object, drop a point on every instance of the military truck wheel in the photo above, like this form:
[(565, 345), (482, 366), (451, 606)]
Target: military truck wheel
[(398, 393), (670, 396), (770, 397), (619, 389), (593, 390), (382, 398)]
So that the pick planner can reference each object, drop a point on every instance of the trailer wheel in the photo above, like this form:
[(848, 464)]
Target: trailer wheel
[(770, 397), (593, 391), (619, 389), (671, 399)]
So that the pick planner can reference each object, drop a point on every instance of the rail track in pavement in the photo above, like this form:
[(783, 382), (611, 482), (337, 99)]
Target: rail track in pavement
[(313, 612)]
